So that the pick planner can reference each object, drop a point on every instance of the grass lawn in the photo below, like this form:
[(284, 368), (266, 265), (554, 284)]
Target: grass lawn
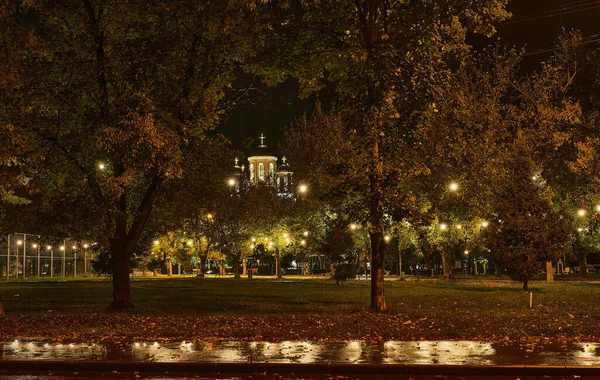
[(259, 309)]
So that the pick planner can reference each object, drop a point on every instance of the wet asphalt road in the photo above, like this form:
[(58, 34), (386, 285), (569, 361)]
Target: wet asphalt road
[(124, 376)]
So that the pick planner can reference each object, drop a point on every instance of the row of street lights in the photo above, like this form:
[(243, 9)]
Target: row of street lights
[(23, 243)]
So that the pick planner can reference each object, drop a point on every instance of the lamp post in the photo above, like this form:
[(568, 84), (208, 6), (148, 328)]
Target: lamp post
[(49, 248), (62, 248), (19, 243), (85, 247), (75, 261), (37, 247)]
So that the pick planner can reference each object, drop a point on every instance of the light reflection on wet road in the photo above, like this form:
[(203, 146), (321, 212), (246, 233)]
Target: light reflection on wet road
[(270, 377), (302, 352)]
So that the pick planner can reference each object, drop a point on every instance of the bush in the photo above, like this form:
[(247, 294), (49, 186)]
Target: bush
[(344, 272)]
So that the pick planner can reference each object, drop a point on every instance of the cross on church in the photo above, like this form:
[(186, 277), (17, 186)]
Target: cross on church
[(236, 161), (283, 159), (262, 139)]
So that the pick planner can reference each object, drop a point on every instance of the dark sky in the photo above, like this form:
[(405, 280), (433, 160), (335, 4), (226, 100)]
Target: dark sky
[(535, 25)]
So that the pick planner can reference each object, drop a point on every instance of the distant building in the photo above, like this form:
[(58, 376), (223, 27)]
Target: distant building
[(263, 170)]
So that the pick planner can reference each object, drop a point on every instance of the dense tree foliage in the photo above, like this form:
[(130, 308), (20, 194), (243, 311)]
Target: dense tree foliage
[(103, 100)]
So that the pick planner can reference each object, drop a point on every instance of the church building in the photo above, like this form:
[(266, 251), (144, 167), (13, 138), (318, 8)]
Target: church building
[(263, 170)]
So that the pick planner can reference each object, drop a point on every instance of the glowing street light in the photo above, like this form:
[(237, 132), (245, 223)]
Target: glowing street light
[(443, 226), (302, 189), (581, 212), (459, 226), (386, 238), (156, 242), (209, 216), (302, 242), (34, 246), (62, 247), (453, 186), (86, 246), (598, 208), (101, 166), (231, 182), (353, 226), (485, 223), (466, 252), (190, 242), (305, 233), (20, 242), (285, 235), (48, 247)]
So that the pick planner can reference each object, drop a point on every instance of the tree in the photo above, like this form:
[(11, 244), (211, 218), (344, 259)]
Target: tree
[(528, 229), (337, 246), (107, 99), (385, 59)]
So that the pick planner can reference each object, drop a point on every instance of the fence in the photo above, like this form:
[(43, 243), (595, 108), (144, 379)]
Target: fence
[(25, 255)]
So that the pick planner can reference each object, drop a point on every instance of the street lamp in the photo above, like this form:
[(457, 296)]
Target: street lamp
[(49, 248), (386, 238), (453, 186), (74, 261), (302, 189), (62, 248), (353, 226), (156, 242), (581, 212), (231, 182), (20, 243), (101, 166), (443, 226), (459, 226), (85, 246), (305, 233), (485, 223)]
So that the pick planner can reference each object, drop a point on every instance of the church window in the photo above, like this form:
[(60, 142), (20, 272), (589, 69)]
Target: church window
[(251, 172), (271, 171), (261, 172)]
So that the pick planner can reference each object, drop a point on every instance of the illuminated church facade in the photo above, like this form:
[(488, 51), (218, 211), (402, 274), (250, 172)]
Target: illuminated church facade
[(263, 170)]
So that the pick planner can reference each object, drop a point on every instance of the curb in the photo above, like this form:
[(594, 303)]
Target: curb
[(291, 368)]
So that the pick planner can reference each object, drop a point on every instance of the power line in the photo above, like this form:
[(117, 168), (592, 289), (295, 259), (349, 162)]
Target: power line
[(585, 41), (559, 12)]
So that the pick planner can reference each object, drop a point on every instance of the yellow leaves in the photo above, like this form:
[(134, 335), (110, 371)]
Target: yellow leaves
[(142, 142)]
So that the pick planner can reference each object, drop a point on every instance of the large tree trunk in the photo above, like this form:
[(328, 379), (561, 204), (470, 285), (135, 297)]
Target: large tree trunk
[(123, 244), (169, 266), (526, 285), (121, 262), (583, 265), (447, 263), (203, 264), (376, 229), (236, 266), (278, 264)]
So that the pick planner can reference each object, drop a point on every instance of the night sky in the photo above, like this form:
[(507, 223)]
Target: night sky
[(535, 25)]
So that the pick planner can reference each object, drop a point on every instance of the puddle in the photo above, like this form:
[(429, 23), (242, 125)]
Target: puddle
[(391, 352)]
